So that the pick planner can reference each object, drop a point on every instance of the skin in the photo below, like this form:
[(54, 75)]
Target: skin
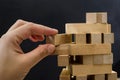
[(14, 63)]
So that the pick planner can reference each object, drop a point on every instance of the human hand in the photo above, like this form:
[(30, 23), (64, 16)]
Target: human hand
[(14, 63)]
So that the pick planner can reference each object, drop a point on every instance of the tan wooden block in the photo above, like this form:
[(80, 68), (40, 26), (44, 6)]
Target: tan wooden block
[(99, 77), (59, 39), (62, 49), (76, 28), (96, 38), (83, 49), (96, 77), (88, 59), (91, 18), (103, 59), (108, 59), (98, 59), (65, 74), (111, 76), (81, 77), (63, 60), (108, 37), (99, 17), (80, 38), (88, 49), (77, 59), (69, 68), (91, 69)]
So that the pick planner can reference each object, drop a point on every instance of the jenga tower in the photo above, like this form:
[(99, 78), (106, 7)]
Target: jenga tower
[(85, 49)]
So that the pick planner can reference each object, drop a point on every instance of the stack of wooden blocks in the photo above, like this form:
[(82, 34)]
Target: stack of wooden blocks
[(85, 49)]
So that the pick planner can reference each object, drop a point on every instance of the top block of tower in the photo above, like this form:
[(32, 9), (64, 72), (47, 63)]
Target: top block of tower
[(91, 26), (100, 17)]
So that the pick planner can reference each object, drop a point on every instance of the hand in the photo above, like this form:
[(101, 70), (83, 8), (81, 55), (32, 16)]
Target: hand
[(14, 63)]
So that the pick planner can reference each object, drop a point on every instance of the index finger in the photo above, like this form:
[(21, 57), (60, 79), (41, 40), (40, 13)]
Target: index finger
[(25, 31), (17, 24)]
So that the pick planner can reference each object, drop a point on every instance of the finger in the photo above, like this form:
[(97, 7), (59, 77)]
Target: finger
[(17, 24), (31, 29), (36, 38), (38, 54)]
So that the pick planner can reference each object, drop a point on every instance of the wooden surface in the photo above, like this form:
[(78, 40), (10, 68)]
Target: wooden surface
[(103, 59), (65, 75), (63, 60), (96, 38), (80, 38), (112, 76), (108, 37), (75, 28), (99, 17), (59, 39), (83, 49), (91, 69)]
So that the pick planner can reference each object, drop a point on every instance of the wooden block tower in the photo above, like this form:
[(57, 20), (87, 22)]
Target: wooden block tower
[(85, 49)]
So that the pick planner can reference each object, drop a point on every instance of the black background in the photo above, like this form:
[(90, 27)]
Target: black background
[(55, 13)]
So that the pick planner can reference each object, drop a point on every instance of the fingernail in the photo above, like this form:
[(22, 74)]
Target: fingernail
[(51, 48), (55, 30)]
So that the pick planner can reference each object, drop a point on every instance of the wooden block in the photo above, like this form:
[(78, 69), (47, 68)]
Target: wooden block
[(99, 77), (99, 17), (63, 49), (108, 59), (103, 59), (90, 69), (96, 77), (88, 49), (88, 59), (80, 38), (76, 28), (96, 38), (63, 60), (91, 18), (64, 77), (98, 59), (108, 37), (111, 76), (69, 68), (78, 59), (59, 39), (65, 74), (83, 49), (81, 77), (93, 38)]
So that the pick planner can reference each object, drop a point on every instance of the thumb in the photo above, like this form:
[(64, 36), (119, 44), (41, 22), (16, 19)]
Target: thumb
[(39, 53)]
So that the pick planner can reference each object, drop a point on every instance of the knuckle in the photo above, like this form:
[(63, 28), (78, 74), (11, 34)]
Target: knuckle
[(19, 21), (30, 26), (6, 38)]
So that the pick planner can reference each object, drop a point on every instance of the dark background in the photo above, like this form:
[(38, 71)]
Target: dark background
[(55, 13)]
